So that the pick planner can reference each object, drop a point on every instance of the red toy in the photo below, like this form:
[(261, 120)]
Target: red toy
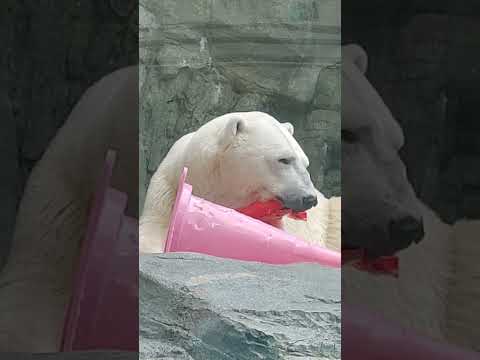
[(271, 212)]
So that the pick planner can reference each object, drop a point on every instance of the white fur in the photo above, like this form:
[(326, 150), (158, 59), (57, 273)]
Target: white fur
[(437, 292), (417, 299), (236, 180), (463, 305), (323, 226)]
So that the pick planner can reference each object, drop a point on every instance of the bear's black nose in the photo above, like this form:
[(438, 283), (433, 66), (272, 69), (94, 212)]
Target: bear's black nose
[(309, 201), (406, 230)]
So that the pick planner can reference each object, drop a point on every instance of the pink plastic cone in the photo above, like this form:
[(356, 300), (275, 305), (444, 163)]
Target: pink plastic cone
[(366, 335), (200, 226), (103, 310)]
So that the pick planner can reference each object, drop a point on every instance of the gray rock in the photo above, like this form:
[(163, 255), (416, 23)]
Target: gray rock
[(328, 91), (201, 307)]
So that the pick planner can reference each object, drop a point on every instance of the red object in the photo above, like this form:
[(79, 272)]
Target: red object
[(386, 265), (103, 310), (200, 226), (383, 265), (271, 212)]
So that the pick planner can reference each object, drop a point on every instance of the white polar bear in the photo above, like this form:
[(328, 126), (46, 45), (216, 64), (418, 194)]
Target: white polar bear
[(235, 160), (435, 294)]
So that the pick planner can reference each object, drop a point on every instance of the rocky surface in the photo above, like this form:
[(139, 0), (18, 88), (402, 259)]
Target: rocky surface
[(201, 307), (202, 59)]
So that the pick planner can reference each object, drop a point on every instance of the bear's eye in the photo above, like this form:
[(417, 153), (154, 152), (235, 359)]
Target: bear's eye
[(349, 136), (286, 161)]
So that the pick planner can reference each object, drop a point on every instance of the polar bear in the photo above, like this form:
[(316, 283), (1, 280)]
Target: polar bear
[(235, 160), (371, 140), (389, 218), (35, 284)]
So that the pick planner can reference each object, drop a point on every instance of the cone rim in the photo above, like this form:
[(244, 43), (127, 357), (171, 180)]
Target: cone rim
[(176, 219)]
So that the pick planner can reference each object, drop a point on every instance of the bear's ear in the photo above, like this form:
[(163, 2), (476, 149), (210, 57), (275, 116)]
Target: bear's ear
[(234, 126), (357, 55), (289, 127)]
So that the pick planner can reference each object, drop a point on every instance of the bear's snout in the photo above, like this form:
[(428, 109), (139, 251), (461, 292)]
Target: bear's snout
[(309, 201), (402, 232), (299, 203), (406, 230)]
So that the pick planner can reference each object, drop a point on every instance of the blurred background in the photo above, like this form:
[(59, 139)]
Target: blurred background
[(50, 55), (278, 56), (426, 66)]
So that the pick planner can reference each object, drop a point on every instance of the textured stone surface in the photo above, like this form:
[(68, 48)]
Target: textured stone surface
[(200, 59), (199, 307)]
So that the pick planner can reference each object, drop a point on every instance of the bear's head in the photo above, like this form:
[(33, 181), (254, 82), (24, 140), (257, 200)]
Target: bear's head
[(240, 158), (380, 212)]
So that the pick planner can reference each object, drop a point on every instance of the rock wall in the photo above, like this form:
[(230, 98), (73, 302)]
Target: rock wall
[(200, 59), (425, 66), (202, 307)]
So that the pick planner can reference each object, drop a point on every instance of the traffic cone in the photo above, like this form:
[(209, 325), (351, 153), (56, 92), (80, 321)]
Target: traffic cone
[(103, 310), (199, 226)]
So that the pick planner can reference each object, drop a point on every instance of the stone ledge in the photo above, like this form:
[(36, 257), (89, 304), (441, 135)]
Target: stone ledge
[(202, 307)]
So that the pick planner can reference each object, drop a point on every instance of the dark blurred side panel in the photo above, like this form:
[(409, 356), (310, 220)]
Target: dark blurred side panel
[(423, 61), (55, 137), (51, 54)]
